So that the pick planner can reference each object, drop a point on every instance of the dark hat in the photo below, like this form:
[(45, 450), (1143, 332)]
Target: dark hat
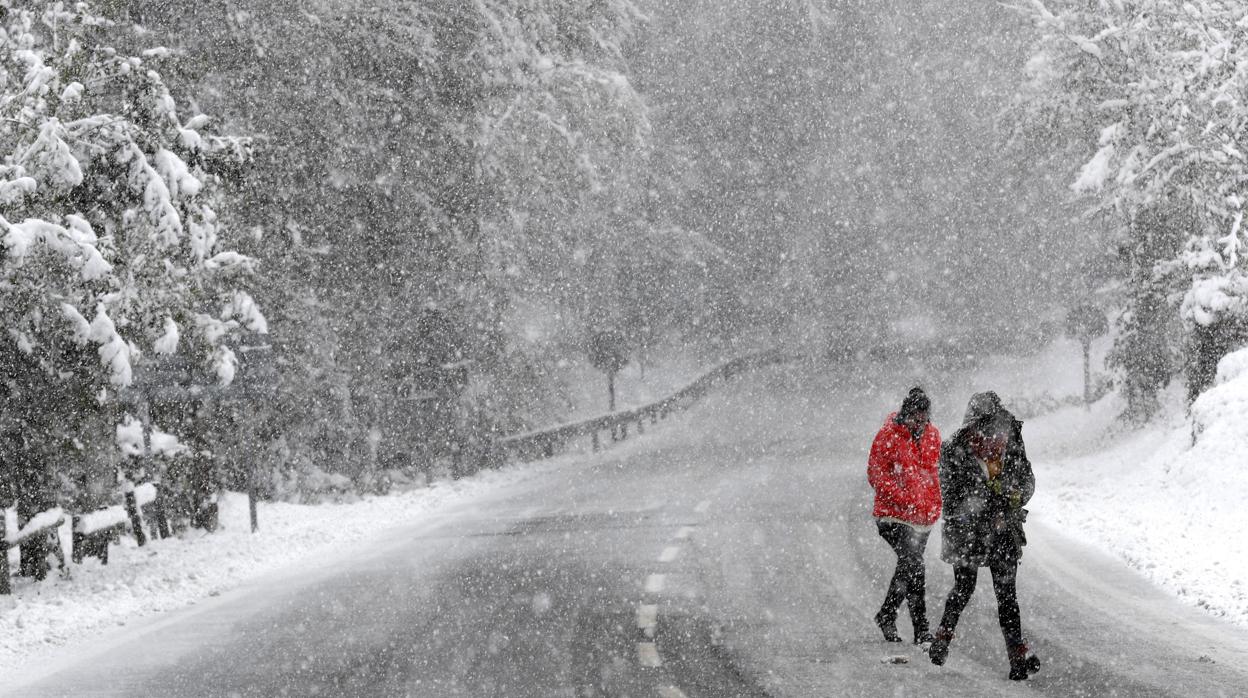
[(981, 405), (916, 401)]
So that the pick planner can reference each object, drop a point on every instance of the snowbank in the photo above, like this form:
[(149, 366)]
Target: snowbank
[(1169, 499)]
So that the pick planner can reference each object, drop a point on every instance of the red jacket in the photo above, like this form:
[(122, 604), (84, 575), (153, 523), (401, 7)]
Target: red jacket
[(904, 474)]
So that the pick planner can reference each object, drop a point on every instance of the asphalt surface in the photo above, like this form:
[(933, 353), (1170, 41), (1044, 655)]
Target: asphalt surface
[(727, 552)]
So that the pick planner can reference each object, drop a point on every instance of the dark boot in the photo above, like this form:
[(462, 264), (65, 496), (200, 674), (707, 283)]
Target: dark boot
[(939, 650), (888, 626), (1022, 662), (923, 637)]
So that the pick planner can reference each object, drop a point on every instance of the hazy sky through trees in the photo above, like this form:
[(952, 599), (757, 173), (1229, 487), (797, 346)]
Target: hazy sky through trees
[(849, 150)]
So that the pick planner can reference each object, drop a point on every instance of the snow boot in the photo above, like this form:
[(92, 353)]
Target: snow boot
[(923, 637), (939, 650), (888, 626), (1022, 662)]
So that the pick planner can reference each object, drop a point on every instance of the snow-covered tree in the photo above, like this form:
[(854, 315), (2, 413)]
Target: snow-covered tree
[(465, 153), (113, 253), (1152, 92)]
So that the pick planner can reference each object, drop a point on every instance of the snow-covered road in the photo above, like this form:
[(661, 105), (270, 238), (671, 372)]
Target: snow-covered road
[(728, 553)]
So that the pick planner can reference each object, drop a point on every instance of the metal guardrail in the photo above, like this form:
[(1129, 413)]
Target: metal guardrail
[(545, 443)]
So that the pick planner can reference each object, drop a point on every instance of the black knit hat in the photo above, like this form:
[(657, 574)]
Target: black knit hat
[(916, 401)]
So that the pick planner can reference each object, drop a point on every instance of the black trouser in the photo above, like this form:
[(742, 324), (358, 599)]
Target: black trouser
[(1004, 576), (909, 580)]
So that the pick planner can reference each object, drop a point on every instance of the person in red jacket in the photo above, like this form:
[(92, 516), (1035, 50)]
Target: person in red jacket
[(903, 470)]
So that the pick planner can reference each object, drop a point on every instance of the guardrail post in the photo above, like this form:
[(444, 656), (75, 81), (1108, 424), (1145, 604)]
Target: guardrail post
[(594, 435), (4, 554), (623, 430)]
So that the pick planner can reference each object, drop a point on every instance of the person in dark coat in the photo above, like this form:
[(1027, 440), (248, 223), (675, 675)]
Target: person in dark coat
[(986, 479), (902, 468)]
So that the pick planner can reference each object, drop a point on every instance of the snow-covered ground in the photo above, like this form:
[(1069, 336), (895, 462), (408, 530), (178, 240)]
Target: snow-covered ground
[(1168, 508), (180, 571)]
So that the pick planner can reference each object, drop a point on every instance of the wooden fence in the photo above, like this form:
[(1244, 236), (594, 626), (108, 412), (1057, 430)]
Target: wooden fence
[(90, 533)]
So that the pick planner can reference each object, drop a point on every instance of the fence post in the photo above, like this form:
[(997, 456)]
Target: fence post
[(158, 507), (132, 509), (623, 430), (597, 446), (4, 554), (641, 426), (76, 539)]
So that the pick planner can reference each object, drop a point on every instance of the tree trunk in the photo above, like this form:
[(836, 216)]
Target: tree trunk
[(611, 391), (1087, 373), (4, 554), (33, 495)]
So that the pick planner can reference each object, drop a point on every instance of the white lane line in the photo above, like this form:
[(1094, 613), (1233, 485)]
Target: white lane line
[(647, 618), (703, 506), (670, 692), (684, 532), (655, 582), (648, 655), (669, 553)]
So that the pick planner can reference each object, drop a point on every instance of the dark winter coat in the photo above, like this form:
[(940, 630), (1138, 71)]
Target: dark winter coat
[(903, 473), (984, 518)]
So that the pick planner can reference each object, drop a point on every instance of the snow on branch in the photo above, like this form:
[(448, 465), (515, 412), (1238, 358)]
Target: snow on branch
[(243, 309), (114, 351), (75, 245), (49, 158), (157, 199), (168, 342)]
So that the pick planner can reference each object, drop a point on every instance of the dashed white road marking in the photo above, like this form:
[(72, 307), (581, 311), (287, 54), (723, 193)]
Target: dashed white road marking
[(655, 582), (703, 506), (670, 692), (648, 655), (647, 618), (684, 532), (669, 553)]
